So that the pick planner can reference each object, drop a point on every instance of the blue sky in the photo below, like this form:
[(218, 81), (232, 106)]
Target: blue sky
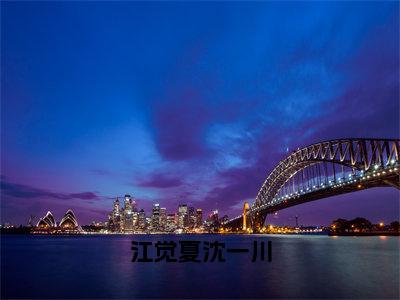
[(188, 102)]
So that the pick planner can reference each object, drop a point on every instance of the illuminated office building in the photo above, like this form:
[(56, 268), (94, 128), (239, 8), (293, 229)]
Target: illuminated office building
[(114, 219), (171, 223), (163, 218), (182, 216), (141, 223), (128, 215), (199, 217), (155, 218), (191, 217)]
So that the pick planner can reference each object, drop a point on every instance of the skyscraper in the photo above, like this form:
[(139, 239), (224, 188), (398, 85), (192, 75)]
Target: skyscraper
[(142, 220), (128, 215), (114, 219), (116, 209), (191, 217), (128, 203), (155, 218), (199, 217), (171, 223), (133, 204), (163, 218), (182, 215), (135, 219)]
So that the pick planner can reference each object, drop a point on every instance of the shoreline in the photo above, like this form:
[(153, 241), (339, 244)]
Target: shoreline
[(378, 233), (358, 234)]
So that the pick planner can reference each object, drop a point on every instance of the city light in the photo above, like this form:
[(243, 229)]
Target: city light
[(129, 219)]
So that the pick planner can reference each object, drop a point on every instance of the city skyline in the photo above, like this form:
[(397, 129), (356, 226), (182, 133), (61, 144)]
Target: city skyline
[(127, 217), (197, 114)]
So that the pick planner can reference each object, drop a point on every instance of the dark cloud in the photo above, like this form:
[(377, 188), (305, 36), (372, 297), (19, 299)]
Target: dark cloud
[(24, 191), (183, 122), (243, 185), (160, 181)]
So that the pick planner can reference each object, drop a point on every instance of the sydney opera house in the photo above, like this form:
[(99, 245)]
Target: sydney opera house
[(48, 224)]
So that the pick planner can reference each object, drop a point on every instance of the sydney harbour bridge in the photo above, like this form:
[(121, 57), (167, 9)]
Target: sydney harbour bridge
[(319, 171)]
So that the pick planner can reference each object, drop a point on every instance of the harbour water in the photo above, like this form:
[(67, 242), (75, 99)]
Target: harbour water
[(100, 267)]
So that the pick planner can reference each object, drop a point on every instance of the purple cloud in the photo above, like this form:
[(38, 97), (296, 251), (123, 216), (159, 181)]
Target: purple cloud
[(160, 181), (183, 118), (179, 124), (24, 191)]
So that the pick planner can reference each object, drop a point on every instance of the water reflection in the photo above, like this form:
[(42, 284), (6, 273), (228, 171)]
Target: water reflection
[(100, 267)]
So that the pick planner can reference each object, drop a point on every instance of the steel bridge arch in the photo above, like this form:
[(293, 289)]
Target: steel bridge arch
[(360, 154)]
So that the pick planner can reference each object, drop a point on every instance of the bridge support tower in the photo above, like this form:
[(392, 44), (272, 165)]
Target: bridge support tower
[(246, 208)]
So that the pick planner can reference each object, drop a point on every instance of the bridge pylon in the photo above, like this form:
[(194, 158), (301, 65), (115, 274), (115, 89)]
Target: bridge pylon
[(253, 221), (246, 208)]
